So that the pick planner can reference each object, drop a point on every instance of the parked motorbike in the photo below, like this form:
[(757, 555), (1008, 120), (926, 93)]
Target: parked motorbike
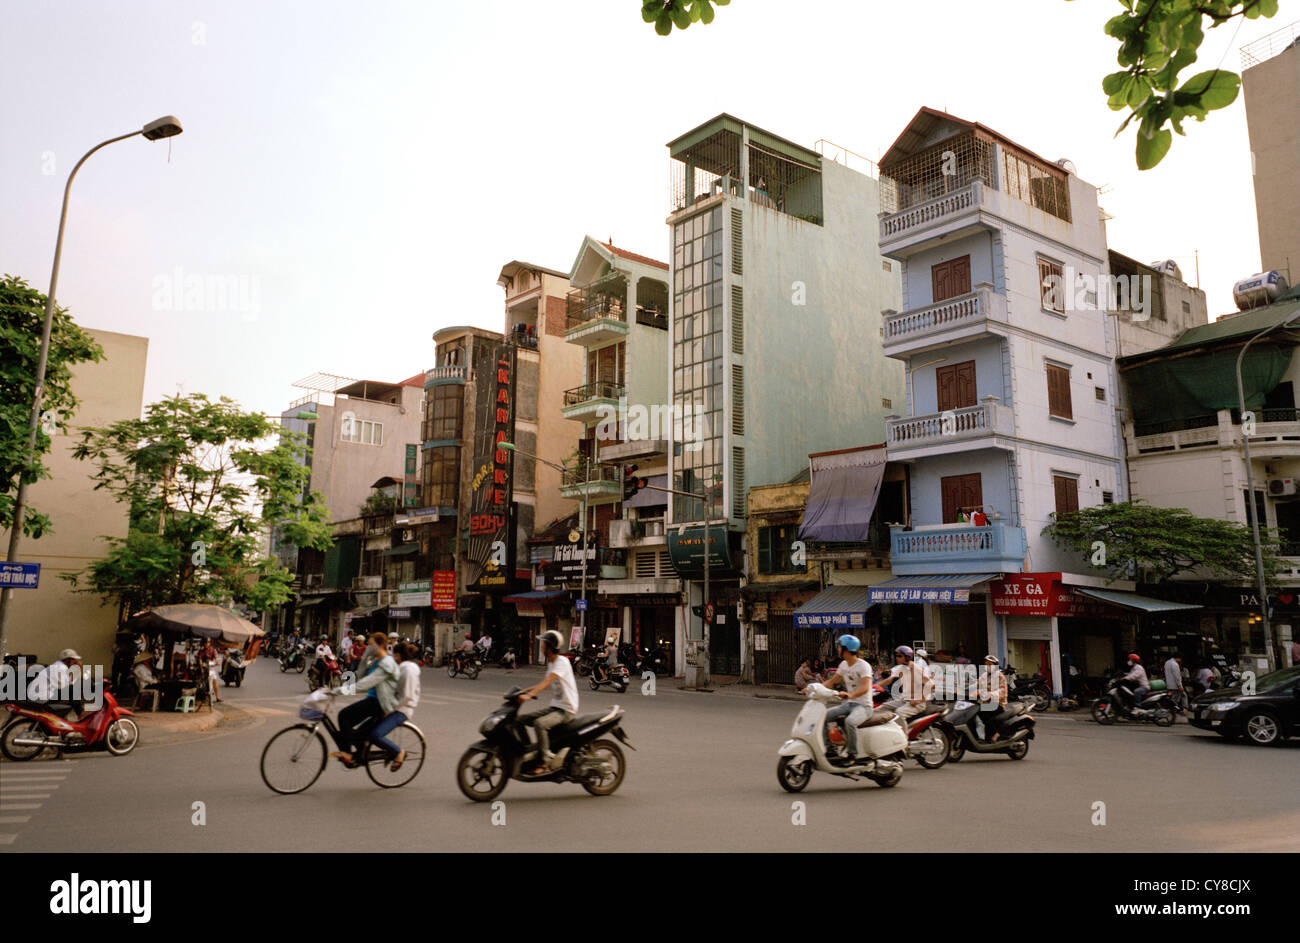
[(35, 728), (294, 659), (429, 658), (616, 676), (232, 667), (882, 744), (959, 722), (506, 753), (468, 664), (325, 673), (1035, 691), (655, 660), (1155, 707), (630, 656)]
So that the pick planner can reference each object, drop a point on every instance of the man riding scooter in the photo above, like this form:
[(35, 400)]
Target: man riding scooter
[(1134, 683), (910, 683), (564, 703), (854, 676)]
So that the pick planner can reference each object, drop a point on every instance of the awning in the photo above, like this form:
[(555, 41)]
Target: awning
[(531, 605), (835, 607), (842, 497), (401, 551), (646, 497), (363, 611), (313, 601), (941, 588), (1118, 597)]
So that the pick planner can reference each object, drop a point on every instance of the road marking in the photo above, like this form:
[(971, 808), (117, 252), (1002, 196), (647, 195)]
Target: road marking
[(15, 819), (10, 794), (7, 839), (18, 806)]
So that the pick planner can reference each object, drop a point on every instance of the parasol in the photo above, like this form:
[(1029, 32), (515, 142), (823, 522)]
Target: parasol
[(200, 619)]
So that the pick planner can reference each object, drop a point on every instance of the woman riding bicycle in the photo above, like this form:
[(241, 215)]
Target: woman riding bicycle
[(380, 681)]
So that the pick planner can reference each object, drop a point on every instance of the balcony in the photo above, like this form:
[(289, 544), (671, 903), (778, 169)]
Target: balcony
[(595, 484), (625, 533), (597, 315), (444, 375), (368, 583), (945, 216), (1276, 435), (985, 426), (633, 450), (592, 402), (995, 548), (976, 314)]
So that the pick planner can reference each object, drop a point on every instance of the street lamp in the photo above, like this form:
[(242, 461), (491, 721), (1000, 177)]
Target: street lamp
[(164, 127), (1250, 494)]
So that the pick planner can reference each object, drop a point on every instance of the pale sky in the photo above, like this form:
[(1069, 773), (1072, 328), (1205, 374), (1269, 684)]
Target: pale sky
[(363, 170)]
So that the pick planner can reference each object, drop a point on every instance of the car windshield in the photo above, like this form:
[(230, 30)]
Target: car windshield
[(1277, 678)]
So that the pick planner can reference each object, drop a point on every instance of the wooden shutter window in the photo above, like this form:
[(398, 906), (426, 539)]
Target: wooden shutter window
[(955, 385), (950, 279), (1058, 392), (1051, 276), (1067, 494)]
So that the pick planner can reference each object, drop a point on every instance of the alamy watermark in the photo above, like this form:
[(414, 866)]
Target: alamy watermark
[(85, 685), (637, 421), (1080, 291), (212, 293)]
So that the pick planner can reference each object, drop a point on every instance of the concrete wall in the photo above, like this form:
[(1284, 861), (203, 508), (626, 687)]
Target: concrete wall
[(560, 368), (1272, 91), (815, 373), (52, 617)]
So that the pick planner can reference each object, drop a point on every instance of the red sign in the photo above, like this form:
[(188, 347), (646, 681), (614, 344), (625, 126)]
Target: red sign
[(444, 589), (1042, 594)]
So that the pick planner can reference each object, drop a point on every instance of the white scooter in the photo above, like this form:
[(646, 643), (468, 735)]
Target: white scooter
[(881, 743)]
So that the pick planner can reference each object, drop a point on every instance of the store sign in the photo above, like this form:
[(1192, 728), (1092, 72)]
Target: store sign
[(492, 489), (566, 562), (444, 589), (394, 613), (940, 595), (423, 515), (830, 620), (686, 550), (493, 575), (415, 593), (1043, 594)]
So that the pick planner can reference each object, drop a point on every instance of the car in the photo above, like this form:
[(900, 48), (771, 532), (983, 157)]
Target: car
[(1266, 718)]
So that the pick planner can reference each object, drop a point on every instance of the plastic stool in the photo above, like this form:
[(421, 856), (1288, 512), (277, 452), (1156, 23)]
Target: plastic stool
[(185, 704)]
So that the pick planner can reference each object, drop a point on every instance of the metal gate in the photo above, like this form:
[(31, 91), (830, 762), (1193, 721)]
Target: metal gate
[(783, 646)]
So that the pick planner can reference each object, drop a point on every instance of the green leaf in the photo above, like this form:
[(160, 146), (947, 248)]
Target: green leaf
[(706, 13), (1216, 88), (663, 25), (1151, 150)]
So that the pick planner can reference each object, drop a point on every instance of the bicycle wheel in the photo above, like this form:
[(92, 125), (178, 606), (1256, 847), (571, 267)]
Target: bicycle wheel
[(408, 738), (293, 759)]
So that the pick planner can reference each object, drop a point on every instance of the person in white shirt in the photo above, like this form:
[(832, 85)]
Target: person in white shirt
[(323, 650), (484, 645), (922, 658), (1174, 681), (53, 683), (854, 675), (1134, 682), (345, 647), (564, 705), (408, 696), (909, 682)]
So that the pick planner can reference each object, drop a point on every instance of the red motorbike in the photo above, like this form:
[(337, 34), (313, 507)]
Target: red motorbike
[(325, 673), (927, 742), (34, 729)]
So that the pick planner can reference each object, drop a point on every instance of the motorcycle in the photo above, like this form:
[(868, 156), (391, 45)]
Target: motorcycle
[(581, 755), (655, 660), (958, 722), (628, 655), (429, 658), (233, 666), (468, 664), (34, 729), (614, 675), (881, 745), (294, 659), (325, 673), (1035, 691), (927, 741), (1155, 707)]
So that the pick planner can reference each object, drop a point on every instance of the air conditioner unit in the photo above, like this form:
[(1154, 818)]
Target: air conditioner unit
[(1281, 487), (407, 535)]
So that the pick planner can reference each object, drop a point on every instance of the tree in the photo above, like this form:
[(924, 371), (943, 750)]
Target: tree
[(202, 493), (1134, 538), (22, 317), (1158, 39)]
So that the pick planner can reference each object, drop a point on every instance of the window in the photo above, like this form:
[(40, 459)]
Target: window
[(1101, 394), (1067, 494), (1058, 392), (444, 412), (885, 266), (1187, 308), (361, 430), (950, 279), (1043, 187), (1051, 285), (442, 477), (1108, 497), (774, 555)]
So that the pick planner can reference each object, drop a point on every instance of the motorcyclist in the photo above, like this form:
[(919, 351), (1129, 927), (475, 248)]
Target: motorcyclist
[(909, 682), (463, 651), (54, 684), (1134, 683), (323, 651), (994, 691), (854, 676), (564, 705)]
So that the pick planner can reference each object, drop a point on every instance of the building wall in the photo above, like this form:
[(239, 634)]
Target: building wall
[(561, 367), (52, 617), (1272, 91)]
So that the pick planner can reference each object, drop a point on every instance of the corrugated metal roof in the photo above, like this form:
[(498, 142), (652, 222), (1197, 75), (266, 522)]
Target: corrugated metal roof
[(1118, 597), (1226, 329)]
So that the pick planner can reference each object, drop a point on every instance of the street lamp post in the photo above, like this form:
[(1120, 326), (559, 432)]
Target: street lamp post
[(1250, 496), (164, 127)]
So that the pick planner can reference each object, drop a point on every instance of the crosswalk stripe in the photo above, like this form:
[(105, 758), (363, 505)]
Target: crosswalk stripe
[(14, 819), (18, 806), (7, 839), (10, 794)]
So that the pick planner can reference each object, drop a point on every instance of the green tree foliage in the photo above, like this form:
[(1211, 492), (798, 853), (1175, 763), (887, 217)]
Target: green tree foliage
[(22, 317), (665, 14), (1158, 543), (1158, 39), (203, 490)]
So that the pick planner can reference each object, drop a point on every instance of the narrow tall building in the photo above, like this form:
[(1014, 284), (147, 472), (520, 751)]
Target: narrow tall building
[(1270, 80)]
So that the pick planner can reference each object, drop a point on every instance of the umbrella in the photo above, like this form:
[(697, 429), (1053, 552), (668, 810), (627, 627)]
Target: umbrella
[(199, 619)]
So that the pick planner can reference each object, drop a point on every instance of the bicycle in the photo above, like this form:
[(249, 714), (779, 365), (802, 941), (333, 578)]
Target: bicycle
[(294, 758)]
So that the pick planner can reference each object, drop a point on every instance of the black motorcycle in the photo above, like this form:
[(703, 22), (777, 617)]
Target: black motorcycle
[(468, 664), (1035, 691), (655, 660), (630, 656), (232, 669), (506, 753), (1155, 707), (615, 676), (294, 659), (963, 720)]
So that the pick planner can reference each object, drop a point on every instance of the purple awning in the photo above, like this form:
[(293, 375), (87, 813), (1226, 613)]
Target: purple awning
[(842, 497)]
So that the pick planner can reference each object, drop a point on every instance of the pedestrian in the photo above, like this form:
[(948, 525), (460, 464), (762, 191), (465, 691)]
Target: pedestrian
[(211, 662), (345, 648), (1069, 671), (1173, 669), (1204, 678), (805, 675)]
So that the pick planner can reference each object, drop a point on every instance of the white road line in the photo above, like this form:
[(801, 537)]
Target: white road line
[(18, 806), (10, 794), (15, 819), (7, 839)]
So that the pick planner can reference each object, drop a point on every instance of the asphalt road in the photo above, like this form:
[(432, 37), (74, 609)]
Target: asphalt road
[(702, 779)]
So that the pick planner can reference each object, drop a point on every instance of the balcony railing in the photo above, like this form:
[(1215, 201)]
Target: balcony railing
[(368, 582), (579, 475), (1277, 433), (601, 389), (444, 373), (971, 422), (582, 306), (919, 323), (932, 211), (994, 548)]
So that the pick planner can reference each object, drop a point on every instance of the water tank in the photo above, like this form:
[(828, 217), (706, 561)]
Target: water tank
[(1067, 165), (1168, 267), (1261, 289)]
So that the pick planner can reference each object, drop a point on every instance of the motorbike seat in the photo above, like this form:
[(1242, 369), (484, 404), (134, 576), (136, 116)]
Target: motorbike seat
[(876, 719), (577, 723)]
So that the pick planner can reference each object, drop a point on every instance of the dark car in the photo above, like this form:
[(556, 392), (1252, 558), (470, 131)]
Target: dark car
[(1267, 717)]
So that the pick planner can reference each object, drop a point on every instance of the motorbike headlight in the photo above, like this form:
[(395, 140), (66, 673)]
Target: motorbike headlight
[(490, 724), (1224, 705)]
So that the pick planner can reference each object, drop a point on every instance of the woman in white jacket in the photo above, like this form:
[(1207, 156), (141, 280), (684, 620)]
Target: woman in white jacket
[(408, 696)]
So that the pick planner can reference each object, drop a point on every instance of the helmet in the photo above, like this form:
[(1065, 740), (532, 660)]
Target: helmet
[(992, 659), (467, 635), (905, 651), (69, 653), (552, 640), (850, 642), (922, 653), (1133, 656)]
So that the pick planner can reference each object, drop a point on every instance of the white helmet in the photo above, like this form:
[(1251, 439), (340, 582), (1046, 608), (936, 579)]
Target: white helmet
[(922, 653), (552, 640)]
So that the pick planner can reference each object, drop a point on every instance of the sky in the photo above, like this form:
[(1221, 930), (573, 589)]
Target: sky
[(352, 176)]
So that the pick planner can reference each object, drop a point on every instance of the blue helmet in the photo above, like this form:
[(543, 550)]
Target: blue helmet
[(850, 642)]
